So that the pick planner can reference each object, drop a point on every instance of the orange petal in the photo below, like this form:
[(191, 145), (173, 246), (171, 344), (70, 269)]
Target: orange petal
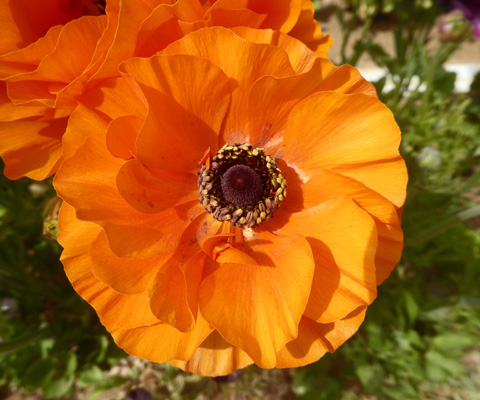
[(271, 100), (116, 98), (31, 147), (188, 124), (387, 177), (309, 32), (174, 289), (27, 59), (314, 340), (115, 310), (331, 130), (121, 136), (158, 30), (263, 303), (153, 191), (301, 57), (221, 46), (62, 65), (281, 15), (124, 25), (308, 347), (390, 237), (23, 21), (347, 80), (11, 112), (230, 18), (95, 195), (214, 357), (161, 342), (124, 275), (343, 238)]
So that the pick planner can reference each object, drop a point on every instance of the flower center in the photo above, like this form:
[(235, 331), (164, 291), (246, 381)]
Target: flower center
[(242, 185)]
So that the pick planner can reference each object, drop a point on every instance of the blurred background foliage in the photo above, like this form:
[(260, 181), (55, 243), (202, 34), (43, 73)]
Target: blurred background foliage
[(420, 339)]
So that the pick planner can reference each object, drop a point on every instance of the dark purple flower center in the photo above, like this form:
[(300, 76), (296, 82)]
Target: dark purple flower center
[(242, 186)]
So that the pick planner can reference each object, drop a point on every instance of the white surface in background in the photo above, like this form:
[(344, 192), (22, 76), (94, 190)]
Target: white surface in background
[(465, 74)]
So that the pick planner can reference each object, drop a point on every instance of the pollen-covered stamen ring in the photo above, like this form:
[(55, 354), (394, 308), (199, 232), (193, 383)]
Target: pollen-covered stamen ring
[(242, 185)]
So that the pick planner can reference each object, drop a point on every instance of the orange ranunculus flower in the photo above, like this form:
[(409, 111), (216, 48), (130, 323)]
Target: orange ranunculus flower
[(253, 274), (48, 63)]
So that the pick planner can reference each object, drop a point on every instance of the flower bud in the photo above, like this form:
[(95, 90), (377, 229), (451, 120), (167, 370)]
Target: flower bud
[(452, 27)]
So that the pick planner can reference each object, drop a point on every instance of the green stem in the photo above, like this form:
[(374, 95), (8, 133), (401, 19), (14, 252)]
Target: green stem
[(442, 226), (15, 344)]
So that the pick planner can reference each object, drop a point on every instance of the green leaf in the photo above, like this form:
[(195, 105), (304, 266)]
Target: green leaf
[(39, 372), (440, 368), (91, 377), (58, 387)]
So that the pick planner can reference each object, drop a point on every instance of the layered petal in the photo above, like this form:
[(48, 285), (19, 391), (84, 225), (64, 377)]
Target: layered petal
[(220, 46), (214, 357), (115, 310), (184, 109), (161, 342), (124, 275), (31, 147), (314, 339), (272, 99), (345, 132), (303, 196), (261, 305), (343, 239)]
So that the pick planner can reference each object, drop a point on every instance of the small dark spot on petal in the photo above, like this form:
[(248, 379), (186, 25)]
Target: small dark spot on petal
[(150, 204)]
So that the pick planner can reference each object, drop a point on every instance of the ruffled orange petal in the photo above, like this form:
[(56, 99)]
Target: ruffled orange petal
[(124, 275), (384, 213), (171, 289), (115, 310), (31, 147), (271, 99), (221, 46), (26, 60), (95, 196), (301, 57), (343, 238), (64, 64), (314, 340), (261, 305), (158, 30), (21, 22), (334, 131), (281, 14), (161, 342), (124, 24), (309, 32), (189, 124), (230, 18), (214, 357), (154, 191), (122, 135), (387, 177)]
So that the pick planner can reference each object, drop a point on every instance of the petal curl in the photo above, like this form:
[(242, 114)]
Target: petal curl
[(261, 305), (214, 357), (188, 124), (334, 131), (160, 342), (115, 310), (344, 241), (314, 340)]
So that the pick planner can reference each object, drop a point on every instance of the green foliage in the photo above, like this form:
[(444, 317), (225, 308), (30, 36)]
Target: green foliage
[(48, 333), (419, 336)]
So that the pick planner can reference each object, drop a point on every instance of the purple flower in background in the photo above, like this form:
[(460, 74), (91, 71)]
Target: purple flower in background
[(470, 9)]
